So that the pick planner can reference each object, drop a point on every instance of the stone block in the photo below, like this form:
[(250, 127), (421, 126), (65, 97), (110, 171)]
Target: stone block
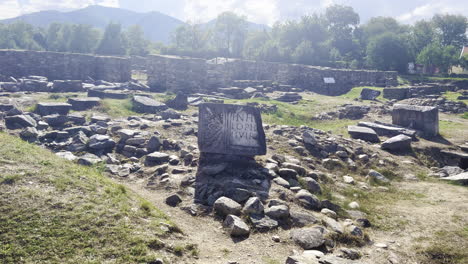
[(231, 129), (422, 118), (44, 109)]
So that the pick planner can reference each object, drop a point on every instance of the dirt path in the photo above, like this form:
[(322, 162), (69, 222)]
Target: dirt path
[(414, 222), (438, 210), (214, 244)]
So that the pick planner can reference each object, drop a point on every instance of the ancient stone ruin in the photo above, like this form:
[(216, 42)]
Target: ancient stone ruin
[(422, 118), (197, 75)]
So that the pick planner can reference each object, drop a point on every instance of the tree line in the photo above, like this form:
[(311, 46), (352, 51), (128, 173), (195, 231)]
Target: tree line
[(334, 38), (75, 38)]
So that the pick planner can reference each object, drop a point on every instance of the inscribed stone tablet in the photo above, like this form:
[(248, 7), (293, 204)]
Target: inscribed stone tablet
[(230, 129), (329, 80)]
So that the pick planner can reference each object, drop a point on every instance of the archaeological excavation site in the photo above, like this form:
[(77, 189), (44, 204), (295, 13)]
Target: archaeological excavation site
[(167, 158)]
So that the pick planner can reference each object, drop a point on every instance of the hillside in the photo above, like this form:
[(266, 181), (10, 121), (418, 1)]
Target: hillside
[(157, 26), (56, 211)]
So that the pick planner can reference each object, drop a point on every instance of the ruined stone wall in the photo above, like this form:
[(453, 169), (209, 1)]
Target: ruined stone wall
[(416, 91), (63, 66), (189, 74)]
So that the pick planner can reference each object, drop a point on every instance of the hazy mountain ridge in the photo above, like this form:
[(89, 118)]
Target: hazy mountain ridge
[(157, 26)]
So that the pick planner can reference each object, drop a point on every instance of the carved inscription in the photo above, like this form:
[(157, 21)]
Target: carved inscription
[(243, 129)]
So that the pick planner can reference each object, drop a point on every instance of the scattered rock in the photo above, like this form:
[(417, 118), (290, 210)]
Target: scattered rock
[(308, 238), (397, 143), (236, 226), (224, 206)]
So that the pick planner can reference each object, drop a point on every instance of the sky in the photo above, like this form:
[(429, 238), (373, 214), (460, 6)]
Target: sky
[(258, 11)]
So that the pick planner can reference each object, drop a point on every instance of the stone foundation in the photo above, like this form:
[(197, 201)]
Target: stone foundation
[(64, 66), (416, 91), (198, 75)]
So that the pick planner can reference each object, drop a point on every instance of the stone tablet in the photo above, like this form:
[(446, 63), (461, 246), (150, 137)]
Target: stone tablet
[(230, 129)]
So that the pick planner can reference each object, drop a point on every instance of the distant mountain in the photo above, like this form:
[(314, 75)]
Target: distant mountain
[(156, 26)]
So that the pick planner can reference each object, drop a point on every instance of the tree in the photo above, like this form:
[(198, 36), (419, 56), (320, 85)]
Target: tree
[(387, 52), (463, 61), (230, 32), (436, 55), (342, 20), (191, 38), (83, 39), (451, 29), (422, 34), (136, 41), (112, 42)]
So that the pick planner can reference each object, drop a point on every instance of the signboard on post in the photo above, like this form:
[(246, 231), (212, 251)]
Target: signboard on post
[(230, 129)]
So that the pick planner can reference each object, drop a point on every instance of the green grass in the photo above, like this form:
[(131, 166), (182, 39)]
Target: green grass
[(465, 115), (453, 129), (453, 96), (356, 92), (446, 247), (116, 108), (303, 112), (424, 78), (54, 211)]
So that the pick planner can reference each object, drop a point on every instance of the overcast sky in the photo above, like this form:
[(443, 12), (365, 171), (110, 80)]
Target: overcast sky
[(259, 11)]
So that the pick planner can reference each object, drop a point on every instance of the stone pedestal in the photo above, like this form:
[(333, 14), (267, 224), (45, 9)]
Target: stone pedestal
[(422, 118)]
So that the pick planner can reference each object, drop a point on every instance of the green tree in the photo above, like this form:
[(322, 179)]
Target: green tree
[(112, 42), (451, 29), (230, 33), (422, 34), (342, 20), (388, 52), (436, 55), (83, 39), (137, 43), (463, 61)]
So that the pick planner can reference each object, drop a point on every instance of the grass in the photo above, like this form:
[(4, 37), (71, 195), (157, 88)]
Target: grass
[(453, 96), (303, 112), (424, 78), (116, 108), (446, 247), (453, 128), (465, 115), (54, 211)]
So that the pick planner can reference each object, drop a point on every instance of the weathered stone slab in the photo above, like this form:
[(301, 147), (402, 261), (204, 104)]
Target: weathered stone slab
[(231, 129), (19, 121), (143, 104), (111, 94), (66, 86), (460, 178), (397, 143), (81, 104), (364, 133), (369, 94), (388, 130), (44, 109), (422, 118)]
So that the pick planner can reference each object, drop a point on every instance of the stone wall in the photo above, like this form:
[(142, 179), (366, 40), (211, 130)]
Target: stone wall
[(416, 91), (63, 66), (197, 75)]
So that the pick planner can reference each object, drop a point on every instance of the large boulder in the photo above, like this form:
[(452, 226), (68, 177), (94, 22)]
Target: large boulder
[(224, 206), (101, 142), (143, 104), (44, 109), (397, 143), (180, 102), (461, 178), (308, 238), (236, 226), (82, 104), (369, 94), (308, 200), (364, 133), (157, 158), (19, 121)]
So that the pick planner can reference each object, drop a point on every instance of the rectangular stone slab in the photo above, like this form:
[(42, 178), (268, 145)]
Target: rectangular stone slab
[(230, 129)]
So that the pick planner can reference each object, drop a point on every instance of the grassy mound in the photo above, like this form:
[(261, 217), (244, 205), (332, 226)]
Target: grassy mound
[(54, 211)]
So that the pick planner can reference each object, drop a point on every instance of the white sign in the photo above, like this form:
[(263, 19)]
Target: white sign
[(329, 80)]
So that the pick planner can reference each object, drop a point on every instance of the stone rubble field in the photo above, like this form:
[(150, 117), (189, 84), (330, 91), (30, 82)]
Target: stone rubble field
[(317, 196)]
